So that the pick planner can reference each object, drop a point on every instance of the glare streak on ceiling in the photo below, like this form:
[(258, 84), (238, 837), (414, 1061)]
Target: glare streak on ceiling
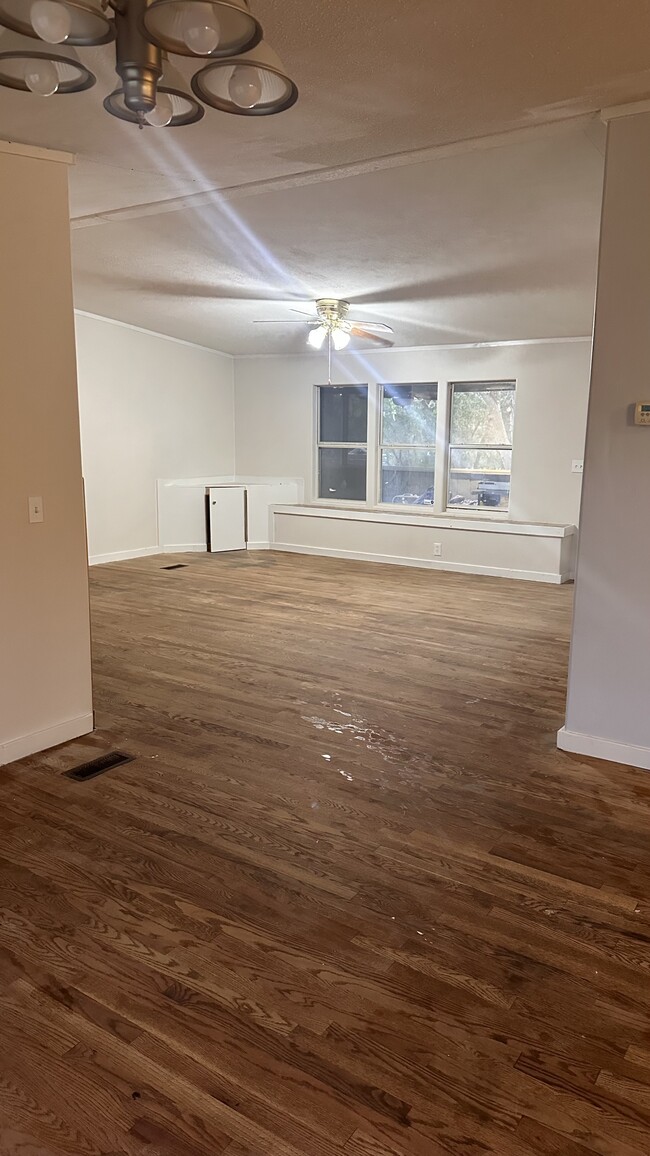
[(485, 244)]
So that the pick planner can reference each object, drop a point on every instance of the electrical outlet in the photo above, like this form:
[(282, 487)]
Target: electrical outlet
[(437, 549), (36, 509), (577, 466)]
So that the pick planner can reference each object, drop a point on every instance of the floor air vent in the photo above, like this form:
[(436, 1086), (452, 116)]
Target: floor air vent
[(98, 766), (176, 566)]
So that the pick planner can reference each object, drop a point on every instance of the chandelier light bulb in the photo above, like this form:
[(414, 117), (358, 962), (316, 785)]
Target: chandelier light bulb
[(42, 78), (340, 338), (245, 86), (200, 29), (162, 114), (51, 21)]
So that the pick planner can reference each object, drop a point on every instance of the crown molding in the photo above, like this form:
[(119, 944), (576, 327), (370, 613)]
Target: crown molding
[(14, 148), (152, 333)]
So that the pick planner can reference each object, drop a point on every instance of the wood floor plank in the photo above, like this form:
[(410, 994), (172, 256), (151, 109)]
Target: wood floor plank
[(348, 900)]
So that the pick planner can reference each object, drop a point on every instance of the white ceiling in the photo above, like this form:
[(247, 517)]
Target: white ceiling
[(344, 194)]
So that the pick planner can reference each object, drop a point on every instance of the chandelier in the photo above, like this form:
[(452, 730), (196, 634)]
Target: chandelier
[(241, 74)]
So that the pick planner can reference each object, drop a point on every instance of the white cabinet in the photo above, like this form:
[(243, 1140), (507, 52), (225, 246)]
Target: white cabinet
[(226, 521)]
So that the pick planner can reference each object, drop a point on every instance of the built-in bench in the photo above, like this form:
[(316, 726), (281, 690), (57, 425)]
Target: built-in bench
[(468, 544)]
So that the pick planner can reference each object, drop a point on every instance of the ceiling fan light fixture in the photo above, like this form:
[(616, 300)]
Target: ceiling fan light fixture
[(253, 83), (340, 339), (202, 28), (316, 337), (25, 68), (73, 22), (175, 105)]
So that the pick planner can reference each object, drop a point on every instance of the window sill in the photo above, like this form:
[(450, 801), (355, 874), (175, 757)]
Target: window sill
[(492, 524)]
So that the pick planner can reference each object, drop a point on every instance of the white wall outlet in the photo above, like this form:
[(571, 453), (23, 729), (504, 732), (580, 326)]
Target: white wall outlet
[(437, 549), (577, 466), (36, 509)]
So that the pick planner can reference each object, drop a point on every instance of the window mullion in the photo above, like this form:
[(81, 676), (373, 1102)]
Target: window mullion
[(374, 434), (442, 441)]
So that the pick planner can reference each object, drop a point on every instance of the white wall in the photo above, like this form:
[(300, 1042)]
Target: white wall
[(609, 678), (274, 412), (150, 408), (45, 687)]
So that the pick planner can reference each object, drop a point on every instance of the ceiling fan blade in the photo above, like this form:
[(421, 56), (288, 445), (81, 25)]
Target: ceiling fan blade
[(357, 331), (373, 326), (301, 311), (279, 321)]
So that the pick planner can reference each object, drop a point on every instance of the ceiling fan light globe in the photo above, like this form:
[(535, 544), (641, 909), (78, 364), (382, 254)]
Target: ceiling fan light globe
[(316, 337), (51, 21), (340, 339)]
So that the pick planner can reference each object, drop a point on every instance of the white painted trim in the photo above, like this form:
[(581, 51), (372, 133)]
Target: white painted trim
[(13, 148), (184, 548), (152, 333), (259, 546), (505, 344), (39, 741), (122, 555), (229, 480), (422, 563), (618, 110), (594, 747), (435, 521)]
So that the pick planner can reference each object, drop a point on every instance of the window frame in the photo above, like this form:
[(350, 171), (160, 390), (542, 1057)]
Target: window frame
[(374, 445), (434, 446), (320, 445), (467, 387)]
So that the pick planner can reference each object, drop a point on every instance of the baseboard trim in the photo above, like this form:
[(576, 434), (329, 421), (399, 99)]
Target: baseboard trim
[(258, 545), (39, 741), (422, 563), (122, 555), (596, 748), (183, 548)]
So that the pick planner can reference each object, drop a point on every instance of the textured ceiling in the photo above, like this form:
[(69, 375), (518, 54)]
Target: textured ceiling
[(489, 244), (452, 248)]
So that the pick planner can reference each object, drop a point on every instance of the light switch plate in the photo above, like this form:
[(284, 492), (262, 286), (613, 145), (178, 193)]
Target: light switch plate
[(36, 509), (577, 466)]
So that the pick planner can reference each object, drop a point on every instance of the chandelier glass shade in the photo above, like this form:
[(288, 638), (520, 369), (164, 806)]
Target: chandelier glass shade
[(251, 84), (240, 74), (214, 28), (27, 69), (87, 20)]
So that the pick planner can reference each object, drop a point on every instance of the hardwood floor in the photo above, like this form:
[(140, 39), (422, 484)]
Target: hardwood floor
[(349, 900)]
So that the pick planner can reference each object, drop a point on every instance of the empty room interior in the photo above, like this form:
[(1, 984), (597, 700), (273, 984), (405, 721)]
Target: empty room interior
[(324, 663)]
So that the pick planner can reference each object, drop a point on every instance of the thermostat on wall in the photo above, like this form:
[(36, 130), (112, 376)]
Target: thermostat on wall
[(642, 413)]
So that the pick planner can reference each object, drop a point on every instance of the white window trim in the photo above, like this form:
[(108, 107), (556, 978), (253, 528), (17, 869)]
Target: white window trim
[(445, 507), (317, 445), (381, 445)]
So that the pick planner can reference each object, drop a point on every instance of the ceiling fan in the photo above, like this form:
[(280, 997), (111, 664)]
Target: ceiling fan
[(332, 324)]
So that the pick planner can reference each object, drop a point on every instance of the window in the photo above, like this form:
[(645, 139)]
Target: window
[(342, 442), (422, 445), (480, 444), (407, 453)]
